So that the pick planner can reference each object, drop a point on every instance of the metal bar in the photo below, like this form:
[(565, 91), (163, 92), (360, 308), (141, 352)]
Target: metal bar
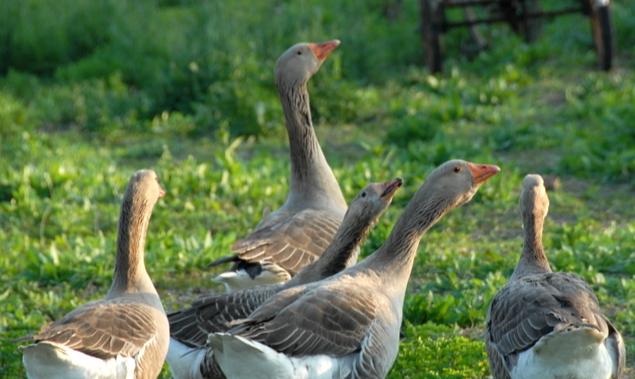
[(458, 24), (558, 12), (467, 3)]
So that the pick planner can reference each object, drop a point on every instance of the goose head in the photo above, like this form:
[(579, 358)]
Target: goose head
[(144, 188), (457, 181), (301, 61), (534, 202), (373, 200)]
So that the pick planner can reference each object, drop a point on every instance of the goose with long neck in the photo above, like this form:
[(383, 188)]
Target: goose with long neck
[(189, 328), (296, 234), (312, 182), (346, 326), (546, 324), (124, 335), (534, 206)]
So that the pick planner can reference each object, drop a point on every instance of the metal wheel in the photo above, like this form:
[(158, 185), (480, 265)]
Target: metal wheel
[(431, 20), (602, 33)]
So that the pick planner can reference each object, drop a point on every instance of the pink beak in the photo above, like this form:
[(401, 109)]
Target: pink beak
[(482, 172), (323, 50), (391, 187)]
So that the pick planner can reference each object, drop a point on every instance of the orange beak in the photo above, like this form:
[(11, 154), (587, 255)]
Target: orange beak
[(482, 172), (161, 193), (323, 50), (391, 186)]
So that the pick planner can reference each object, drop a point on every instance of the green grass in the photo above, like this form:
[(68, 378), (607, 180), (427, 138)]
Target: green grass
[(79, 112)]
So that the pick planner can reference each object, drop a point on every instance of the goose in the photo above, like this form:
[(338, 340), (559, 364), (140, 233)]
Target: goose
[(126, 334), (546, 324), (189, 328), (347, 325), (296, 234)]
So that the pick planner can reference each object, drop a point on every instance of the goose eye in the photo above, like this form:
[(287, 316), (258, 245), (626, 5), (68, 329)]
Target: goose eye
[(299, 52), (457, 169), (363, 194)]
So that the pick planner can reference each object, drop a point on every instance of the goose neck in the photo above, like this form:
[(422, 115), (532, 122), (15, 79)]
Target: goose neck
[(311, 175), (344, 248), (397, 254), (533, 259), (130, 275)]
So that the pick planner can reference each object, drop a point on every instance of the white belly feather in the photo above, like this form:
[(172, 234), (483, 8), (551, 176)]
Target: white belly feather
[(576, 354), (53, 361), (239, 357), (184, 361)]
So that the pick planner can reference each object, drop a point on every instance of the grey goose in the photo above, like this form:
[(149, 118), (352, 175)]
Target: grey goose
[(546, 324), (347, 325), (189, 328), (297, 233), (126, 334)]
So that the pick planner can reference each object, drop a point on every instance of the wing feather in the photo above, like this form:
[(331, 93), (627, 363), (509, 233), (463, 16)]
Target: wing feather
[(311, 319), (104, 329), (292, 242), (215, 313)]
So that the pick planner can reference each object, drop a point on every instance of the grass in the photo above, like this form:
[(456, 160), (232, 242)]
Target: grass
[(79, 115)]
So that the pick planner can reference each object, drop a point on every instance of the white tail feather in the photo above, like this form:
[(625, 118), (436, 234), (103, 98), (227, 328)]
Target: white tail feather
[(576, 342), (240, 279), (578, 353), (184, 361), (239, 357), (52, 361)]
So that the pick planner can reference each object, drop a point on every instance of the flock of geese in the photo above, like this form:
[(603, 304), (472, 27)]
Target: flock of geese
[(299, 305)]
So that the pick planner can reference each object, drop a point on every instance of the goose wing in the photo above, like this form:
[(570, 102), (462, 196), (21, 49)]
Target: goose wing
[(105, 329), (215, 313), (527, 309), (312, 319), (292, 242)]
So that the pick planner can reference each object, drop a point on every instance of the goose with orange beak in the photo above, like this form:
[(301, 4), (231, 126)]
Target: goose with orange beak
[(295, 235)]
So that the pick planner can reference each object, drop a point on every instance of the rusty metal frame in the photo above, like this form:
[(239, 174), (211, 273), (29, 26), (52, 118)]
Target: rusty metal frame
[(467, 3)]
